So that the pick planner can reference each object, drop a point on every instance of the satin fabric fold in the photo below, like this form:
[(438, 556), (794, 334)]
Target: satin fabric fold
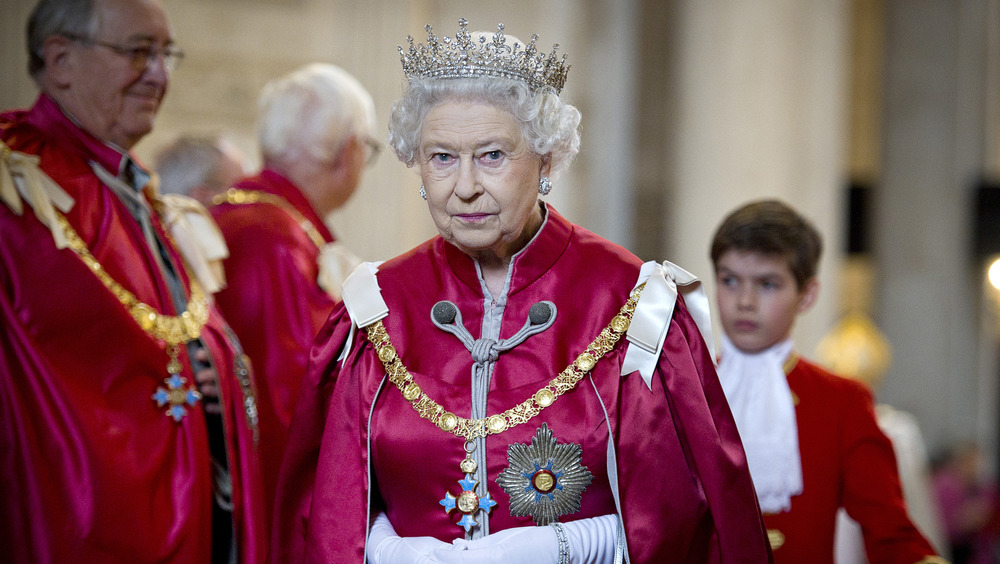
[(273, 301), (93, 470), (686, 494)]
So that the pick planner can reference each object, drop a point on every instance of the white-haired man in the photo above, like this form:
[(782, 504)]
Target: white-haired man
[(285, 268)]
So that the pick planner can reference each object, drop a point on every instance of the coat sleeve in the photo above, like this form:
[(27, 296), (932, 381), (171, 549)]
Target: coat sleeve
[(871, 493), (305, 491), (686, 392)]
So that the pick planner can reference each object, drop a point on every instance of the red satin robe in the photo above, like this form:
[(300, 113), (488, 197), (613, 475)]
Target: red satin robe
[(91, 469), (846, 461), (273, 302), (686, 494)]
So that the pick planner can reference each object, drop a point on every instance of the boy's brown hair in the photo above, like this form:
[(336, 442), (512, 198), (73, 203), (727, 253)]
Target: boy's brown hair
[(771, 227)]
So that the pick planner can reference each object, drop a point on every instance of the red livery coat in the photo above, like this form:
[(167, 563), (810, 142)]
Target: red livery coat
[(846, 461)]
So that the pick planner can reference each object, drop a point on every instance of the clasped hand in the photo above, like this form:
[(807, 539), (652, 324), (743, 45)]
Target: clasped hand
[(523, 545)]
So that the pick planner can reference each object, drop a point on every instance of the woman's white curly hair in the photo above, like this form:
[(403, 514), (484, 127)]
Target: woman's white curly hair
[(549, 126)]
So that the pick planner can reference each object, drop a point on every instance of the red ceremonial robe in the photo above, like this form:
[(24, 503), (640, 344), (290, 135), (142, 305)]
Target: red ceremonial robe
[(685, 491), (846, 461), (91, 469), (274, 302)]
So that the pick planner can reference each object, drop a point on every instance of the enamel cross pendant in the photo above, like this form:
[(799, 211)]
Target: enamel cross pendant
[(468, 502), (176, 395)]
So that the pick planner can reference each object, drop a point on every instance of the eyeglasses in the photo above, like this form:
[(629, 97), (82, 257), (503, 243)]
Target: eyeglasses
[(374, 148), (139, 57)]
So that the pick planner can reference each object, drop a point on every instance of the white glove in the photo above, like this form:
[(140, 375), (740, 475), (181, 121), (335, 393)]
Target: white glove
[(386, 547), (590, 541), (522, 545)]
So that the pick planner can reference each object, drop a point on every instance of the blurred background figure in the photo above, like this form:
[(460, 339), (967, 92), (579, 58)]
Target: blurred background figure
[(192, 170), (856, 348), (968, 501), (200, 166), (315, 130)]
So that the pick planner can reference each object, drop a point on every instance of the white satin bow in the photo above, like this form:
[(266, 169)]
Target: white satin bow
[(198, 238), (20, 174), (335, 263), (652, 315)]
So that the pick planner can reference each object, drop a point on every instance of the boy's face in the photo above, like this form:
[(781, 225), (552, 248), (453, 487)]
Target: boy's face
[(758, 298)]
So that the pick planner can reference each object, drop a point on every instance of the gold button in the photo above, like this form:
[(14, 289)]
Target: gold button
[(497, 424), (386, 353), (776, 538), (411, 392)]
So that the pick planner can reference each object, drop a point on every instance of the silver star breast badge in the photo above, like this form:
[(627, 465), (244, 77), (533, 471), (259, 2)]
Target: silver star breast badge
[(544, 479)]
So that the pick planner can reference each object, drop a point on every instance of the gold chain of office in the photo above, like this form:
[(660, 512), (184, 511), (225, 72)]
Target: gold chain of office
[(174, 330), (237, 196), (470, 429)]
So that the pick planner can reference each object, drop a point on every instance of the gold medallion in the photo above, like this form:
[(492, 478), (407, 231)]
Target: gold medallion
[(544, 397)]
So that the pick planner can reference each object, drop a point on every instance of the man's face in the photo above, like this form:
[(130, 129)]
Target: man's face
[(106, 89)]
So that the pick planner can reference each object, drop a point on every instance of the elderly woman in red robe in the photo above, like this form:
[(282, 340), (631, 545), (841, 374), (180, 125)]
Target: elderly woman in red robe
[(516, 389)]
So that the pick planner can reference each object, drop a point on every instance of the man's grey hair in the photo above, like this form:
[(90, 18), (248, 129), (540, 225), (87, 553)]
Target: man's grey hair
[(188, 162), (75, 18)]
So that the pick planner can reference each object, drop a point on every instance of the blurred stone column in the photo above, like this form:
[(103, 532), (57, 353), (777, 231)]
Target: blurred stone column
[(935, 139), (17, 90), (751, 103)]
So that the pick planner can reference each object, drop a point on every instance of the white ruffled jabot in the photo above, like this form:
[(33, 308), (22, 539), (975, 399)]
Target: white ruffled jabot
[(762, 405)]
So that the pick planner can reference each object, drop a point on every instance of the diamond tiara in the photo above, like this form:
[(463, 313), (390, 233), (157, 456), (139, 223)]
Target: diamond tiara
[(462, 57)]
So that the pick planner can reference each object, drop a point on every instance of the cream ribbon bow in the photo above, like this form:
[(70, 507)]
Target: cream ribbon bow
[(198, 239), (363, 300), (335, 263), (652, 315), (20, 174)]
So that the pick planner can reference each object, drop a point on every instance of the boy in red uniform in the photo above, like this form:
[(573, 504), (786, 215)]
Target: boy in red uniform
[(811, 438)]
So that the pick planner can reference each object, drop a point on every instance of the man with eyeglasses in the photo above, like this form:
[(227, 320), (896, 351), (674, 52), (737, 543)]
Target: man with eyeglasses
[(285, 268), (127, 409)]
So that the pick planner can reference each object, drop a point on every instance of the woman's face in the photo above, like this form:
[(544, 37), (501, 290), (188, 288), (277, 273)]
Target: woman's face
[(481, 179)]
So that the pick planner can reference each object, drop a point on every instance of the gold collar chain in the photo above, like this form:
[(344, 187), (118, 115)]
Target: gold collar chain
[(237, 197), (174, 330), (470, 429)]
